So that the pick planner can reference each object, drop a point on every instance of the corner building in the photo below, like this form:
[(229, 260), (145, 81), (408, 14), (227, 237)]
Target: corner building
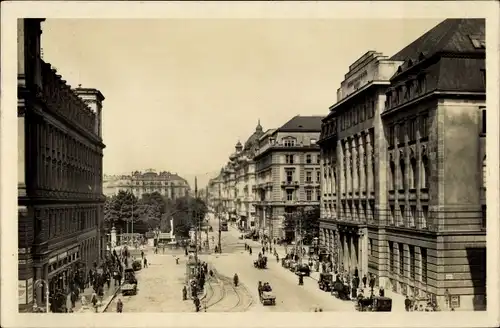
[(353, 160), (60, 154), (430, 237), (288, 172)]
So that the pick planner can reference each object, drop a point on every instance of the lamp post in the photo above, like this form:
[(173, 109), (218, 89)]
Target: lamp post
[(47, 294)]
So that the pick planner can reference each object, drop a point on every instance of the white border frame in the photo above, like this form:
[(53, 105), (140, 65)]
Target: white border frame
[(275, 10)]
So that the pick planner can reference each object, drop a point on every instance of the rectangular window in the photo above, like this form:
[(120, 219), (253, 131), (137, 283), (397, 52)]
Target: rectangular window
[(391, 136), (391, 256), (318, 176), (318, 159), (289, 195), (424, 133), (413, 209), (289, 159), (483, 121), (289, 142), (318, 195), (308, 176), (425, 215), (401, 260), (401, 133), (308, 159), (412, 261), (370, 246), (289, 176), (423, 273), (309, 195), (402, 214)]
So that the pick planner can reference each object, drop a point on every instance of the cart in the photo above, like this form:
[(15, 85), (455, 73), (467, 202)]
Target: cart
[(129, 286), (266, 295), (325, 281)]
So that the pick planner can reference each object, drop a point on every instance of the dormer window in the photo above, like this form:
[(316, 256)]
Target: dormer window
[(289, 142), (478, 41)]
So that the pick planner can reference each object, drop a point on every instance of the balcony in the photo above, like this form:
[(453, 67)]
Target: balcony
[(280, 146), (289, 184), (311, 183), (59, 98)]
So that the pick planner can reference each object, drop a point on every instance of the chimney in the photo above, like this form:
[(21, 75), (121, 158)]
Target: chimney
[(93, 98)]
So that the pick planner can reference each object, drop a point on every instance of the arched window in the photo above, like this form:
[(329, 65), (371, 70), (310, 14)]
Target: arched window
[(425, 172), (402, 167), (414, 174), (485, 174), (393, 175)]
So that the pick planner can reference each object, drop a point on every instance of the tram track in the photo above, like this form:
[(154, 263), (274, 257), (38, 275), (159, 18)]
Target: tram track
[(225, 297)]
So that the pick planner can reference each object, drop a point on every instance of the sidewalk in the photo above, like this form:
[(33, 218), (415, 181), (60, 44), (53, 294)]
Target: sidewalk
[(109, 294)]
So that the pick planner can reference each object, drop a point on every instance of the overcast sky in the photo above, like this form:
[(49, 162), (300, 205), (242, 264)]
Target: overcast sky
[(181, 93)]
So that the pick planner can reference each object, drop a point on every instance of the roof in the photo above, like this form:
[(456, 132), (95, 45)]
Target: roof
[(254, 138), (464, 40), (451, 35), (302, 124)]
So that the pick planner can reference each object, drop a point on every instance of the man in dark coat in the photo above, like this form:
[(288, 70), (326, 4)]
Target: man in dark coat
[(184, 293), (364, 280), (119, 306)]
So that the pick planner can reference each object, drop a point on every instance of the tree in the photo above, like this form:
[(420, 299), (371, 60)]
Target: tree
[(187, 213), (120, 209), (309, 222)]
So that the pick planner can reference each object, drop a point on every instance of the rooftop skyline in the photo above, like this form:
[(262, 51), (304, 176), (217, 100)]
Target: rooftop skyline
[(180, 93)]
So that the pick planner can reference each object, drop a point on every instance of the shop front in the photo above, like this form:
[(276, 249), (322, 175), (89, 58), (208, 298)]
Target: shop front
[(62, 269)]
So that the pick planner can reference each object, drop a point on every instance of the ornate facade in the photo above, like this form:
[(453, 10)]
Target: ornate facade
[(287, 171), (353, 147), (168, 184), (426, 236), (60, 152), (237, 181)]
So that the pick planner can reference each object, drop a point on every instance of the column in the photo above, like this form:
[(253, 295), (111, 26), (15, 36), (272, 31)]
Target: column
[(355, 167), (40, 288), (369, 159), (348, 162), (362, 163)]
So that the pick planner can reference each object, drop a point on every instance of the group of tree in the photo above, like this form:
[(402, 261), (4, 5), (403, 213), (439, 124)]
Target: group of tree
[(152, 211), (304, 222)]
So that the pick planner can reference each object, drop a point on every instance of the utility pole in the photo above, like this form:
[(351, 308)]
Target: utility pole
[(218, 214), (196, 223)]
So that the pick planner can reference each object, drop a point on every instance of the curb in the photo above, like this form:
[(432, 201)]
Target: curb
[(110, 299)]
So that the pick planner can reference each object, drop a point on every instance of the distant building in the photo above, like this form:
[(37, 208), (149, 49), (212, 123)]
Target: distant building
[(237, 182), (168, 184), (419, 223), (288, 172)]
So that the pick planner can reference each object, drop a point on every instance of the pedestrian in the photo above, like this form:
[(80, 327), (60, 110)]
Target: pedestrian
[(74, 297), (196, 302), (381, 291), (145, 262), (356, 272), (184, 293), (142, 254), (407, 304), (93, 300), (119, 306), (364, 280)]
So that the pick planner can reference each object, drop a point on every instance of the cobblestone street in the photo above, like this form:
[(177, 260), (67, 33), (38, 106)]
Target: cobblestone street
[(159, 287)]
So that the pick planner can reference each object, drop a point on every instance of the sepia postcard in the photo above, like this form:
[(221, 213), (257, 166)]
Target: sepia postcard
[(250, 164)]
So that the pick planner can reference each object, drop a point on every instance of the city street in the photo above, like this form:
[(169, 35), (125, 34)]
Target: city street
[(159, 287), (289, 295)]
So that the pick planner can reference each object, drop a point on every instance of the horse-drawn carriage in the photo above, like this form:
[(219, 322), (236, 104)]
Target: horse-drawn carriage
[(374, 304), (261, 262), (325, 282), (266, 295), (129, 286), (341, 290)]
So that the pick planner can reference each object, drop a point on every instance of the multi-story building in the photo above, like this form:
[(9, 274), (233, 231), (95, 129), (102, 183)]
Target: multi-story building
[(353, 157), (167, 184), (112, 184), (288, 172), (237, 180), (431, 225), (59, 173)]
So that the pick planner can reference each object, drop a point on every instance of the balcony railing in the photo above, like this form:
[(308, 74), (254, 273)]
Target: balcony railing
[(282, 146), (288, 183), (59, 97)]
